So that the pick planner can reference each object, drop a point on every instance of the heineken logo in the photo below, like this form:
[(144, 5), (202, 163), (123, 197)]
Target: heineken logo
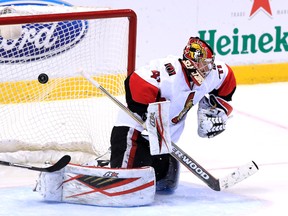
[(237, 43)]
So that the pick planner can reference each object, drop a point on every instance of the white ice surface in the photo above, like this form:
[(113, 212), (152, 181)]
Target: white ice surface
[(257, 131)]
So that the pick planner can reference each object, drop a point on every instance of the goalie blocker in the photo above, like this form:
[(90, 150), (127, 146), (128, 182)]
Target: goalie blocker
[(98, 186)]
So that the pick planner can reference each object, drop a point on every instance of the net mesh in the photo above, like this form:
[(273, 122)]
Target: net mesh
[(47, 108)]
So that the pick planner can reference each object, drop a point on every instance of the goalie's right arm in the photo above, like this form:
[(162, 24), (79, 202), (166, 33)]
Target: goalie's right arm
[(139, 93)]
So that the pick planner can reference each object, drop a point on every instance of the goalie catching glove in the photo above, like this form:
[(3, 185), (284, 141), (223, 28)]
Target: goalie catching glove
[(213, 114)]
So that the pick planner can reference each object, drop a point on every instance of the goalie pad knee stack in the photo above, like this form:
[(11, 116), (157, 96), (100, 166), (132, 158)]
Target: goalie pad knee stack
[(99, 186)]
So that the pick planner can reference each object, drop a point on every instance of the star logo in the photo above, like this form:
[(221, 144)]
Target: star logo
[(258, 4)]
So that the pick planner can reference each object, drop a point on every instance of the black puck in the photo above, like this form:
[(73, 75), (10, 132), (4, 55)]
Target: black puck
[(43, 78)]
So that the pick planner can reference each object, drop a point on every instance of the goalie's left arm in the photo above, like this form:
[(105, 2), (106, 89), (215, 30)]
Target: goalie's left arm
[(213, 113)]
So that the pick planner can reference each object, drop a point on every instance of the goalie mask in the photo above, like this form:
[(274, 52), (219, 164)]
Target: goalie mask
[(198, 60)]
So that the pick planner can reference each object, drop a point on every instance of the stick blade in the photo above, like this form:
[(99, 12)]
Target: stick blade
[(238, 175), (55, 167), (60, 164)]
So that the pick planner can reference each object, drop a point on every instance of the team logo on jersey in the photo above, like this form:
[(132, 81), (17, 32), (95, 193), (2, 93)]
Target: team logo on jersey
[(187, 107), (41, 41), (170, 69)]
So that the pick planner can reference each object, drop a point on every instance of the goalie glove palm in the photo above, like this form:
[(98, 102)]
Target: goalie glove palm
[(211, 120), (210, 125)]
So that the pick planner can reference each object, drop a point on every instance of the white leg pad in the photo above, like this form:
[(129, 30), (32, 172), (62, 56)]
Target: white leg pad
[(157, 124), (99, 186), (49, 185)]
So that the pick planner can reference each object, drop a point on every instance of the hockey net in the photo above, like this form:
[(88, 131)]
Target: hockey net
[(47, 109)]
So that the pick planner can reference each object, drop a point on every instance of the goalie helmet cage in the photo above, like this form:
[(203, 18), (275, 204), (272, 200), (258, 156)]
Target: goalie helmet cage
[(47, 109)]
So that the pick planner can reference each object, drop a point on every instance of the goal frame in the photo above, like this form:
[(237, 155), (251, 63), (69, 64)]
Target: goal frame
[(92, 14)]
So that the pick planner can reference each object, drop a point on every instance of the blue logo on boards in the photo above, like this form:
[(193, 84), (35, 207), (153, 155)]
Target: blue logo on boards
[(33, 2), (40, 41)]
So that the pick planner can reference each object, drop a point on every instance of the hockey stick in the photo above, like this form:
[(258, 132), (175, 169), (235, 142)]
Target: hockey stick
[(55, 167), (233, 178)]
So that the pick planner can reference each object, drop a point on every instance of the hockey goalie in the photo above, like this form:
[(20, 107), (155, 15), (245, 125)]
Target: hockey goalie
[(161, 94)]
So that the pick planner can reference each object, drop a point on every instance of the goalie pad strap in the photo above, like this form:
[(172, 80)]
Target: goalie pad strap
[(99, 186)]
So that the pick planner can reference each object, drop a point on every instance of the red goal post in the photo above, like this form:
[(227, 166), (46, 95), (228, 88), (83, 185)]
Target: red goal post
[(47, 109)]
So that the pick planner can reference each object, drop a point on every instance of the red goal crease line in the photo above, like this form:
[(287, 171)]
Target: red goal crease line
[(275, 124)]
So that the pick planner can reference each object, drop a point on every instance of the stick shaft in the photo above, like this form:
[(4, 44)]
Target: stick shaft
[(57, 166), (216, 184)]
